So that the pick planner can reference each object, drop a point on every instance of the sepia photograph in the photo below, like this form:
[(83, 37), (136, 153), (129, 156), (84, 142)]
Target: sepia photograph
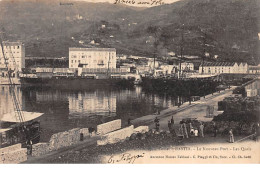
[(129, 82)]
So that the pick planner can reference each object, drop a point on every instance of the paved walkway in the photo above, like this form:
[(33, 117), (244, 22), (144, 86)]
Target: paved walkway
[(195, 110)]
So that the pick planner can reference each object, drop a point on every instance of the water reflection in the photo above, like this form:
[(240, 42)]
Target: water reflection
[(87, 104), (65, 110), (6, 101)]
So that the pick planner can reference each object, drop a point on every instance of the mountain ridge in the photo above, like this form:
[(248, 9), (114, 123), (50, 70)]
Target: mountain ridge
[(228, 27)]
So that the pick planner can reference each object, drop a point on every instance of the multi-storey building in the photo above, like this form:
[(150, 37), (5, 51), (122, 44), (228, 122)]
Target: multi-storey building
[(186, 66), (223, 67), (254, 69), (92, 58), (14, 53)]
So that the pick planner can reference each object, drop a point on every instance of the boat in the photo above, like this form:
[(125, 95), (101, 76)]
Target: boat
[(18, 126), (14, 131), (70, 80)]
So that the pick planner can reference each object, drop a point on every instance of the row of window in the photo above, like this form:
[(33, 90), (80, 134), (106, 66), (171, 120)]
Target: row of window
[(14, 47), (89, 56)]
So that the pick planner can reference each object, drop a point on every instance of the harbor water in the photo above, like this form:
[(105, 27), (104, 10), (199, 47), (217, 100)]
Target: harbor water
[(64, 110)]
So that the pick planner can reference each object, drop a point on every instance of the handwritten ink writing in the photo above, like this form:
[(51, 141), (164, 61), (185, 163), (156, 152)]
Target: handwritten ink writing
[(126, 157), (144, 2)]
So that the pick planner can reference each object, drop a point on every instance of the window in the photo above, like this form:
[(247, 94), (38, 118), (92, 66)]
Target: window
[(18, 47), (71, 61)]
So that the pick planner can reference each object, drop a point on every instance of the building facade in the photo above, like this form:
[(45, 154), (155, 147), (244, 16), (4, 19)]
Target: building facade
[(14, 53), (92, 58), (254, 69), (223, 67), (186, 66)]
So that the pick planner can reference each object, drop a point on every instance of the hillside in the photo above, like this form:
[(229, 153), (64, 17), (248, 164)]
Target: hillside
[(227, 28)]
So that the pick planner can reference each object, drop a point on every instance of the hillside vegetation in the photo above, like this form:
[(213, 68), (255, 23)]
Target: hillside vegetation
[(227, 28)]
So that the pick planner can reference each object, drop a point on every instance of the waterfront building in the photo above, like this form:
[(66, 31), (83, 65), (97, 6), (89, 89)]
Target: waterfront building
[(223, 67), (15, 56), (186, 66), (166, 69), (153, 64), (254, 69), (92, 58), (143, 69)]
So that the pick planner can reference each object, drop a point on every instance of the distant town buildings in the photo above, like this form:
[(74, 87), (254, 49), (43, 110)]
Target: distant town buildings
[(254, 69), (92, 58), (14, 54), (223, 67), (186, 66)]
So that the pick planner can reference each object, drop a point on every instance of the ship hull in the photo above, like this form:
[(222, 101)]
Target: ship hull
[(75, 82)]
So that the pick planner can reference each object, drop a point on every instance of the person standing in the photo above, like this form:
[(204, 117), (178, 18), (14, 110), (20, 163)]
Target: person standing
[(157, 124), (215, 129), (196, 132), (172, 120), (185, 130), (202, 130), (129, 121), (170, 126), (231, 136)]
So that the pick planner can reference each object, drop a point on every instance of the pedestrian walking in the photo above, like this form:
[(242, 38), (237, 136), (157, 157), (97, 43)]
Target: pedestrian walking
[(231, 136), (158, 112), (201, 130)]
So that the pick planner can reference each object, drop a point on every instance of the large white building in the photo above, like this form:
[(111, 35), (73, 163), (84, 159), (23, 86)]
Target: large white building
[(92, 58), (14, 56), (223, 67)]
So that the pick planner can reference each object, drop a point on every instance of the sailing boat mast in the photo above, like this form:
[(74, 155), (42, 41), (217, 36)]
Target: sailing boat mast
[(16, 103)]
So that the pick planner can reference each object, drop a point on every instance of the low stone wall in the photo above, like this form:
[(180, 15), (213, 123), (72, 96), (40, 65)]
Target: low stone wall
[(40, 149), (11, 148), (14, 156), (64, 139), (108, 127), (116, 136), (141, 129)]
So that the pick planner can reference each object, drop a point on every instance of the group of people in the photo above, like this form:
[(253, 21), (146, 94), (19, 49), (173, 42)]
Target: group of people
[(188, 130)]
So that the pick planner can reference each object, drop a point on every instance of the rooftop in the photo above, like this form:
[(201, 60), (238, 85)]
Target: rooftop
[(218, 64), (92, 49), (7, 43)]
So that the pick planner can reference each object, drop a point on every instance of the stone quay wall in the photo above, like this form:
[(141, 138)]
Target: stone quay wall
[(13, 154), (116, 136), (108, 127), (141, 129)]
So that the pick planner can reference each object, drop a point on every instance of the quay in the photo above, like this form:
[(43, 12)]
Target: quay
[(196, 110)]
